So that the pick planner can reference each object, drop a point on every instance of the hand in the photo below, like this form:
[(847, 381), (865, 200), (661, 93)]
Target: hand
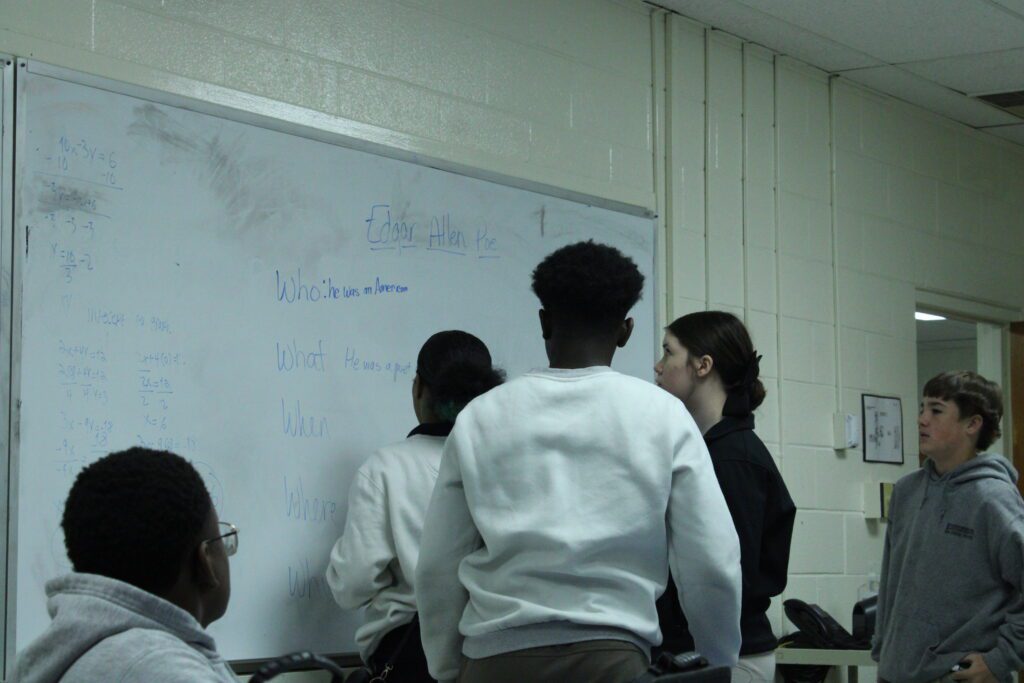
[(977, 672)]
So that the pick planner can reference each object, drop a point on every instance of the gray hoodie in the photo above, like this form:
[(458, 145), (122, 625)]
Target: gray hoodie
[(952, 572), (107, 630)]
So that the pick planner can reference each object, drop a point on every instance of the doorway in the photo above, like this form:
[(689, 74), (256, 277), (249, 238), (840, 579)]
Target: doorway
[(944, 344), (1016, 394)]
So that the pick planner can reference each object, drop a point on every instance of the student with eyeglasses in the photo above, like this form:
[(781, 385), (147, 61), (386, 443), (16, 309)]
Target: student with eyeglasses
[(151, 572)]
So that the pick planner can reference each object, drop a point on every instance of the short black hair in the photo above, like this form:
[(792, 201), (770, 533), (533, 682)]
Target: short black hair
[(593, 285), (135, 515), (973, 395)]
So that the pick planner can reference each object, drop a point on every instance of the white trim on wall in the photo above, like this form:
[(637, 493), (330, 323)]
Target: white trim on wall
[(7, 70)]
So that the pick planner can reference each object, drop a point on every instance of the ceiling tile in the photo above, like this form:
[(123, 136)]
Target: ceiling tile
[(975, 74), (781, 36), (904, 31), (1011, 133), (932, 96)]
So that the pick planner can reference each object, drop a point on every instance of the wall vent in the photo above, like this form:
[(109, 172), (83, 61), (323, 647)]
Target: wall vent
[(1012, 102)]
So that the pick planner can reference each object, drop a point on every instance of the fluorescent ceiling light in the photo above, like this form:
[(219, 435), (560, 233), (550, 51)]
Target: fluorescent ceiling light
[(918, 315)]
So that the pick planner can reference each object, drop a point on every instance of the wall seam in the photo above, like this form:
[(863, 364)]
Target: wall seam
[(707, 176), (743, 183), (834, 228), (778, 264), (661, 137)]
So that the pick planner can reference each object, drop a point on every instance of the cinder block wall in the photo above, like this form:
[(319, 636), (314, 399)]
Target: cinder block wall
[(817, 209)]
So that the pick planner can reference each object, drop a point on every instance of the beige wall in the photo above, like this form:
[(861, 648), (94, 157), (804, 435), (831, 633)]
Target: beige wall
[(810, 206), (817, 210), (530, 88)]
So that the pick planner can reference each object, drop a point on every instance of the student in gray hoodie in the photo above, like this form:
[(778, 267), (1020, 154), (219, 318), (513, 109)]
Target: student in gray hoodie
[(151, 572), (953, 565)]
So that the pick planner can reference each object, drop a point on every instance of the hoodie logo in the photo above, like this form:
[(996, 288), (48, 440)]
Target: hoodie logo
[(961, 531)]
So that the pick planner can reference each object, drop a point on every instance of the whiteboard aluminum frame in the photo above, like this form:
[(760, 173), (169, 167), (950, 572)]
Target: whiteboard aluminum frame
[(7, 73), (230, 105)]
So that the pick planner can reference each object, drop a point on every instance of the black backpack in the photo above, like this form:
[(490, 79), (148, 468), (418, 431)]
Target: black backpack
[(818, 631)]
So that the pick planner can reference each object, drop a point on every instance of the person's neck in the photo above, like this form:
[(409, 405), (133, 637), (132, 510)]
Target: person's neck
[(708, 402), (707, 415), (425, 416), (948, 462), (183, 596), (575, 354)]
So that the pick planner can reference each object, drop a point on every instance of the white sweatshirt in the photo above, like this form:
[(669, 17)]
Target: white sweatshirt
[(374, 562), (563, 497)]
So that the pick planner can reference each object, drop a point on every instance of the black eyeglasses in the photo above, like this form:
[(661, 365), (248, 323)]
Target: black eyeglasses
[(230, 538)]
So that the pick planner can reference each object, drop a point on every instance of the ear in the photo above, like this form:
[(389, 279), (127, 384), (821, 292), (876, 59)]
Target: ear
[(545, 324), (625, 331), (704, 365), (974, 424), (203, 566), (417, 387)]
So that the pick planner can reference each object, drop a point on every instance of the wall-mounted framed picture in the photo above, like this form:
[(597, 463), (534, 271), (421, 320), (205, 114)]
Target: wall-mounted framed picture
[(882, 417)]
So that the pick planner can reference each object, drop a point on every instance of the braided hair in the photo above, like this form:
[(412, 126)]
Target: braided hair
[(456, 367)]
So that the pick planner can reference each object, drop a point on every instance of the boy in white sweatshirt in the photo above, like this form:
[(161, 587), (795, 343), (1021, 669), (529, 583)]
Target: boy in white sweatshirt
[(563, 498)]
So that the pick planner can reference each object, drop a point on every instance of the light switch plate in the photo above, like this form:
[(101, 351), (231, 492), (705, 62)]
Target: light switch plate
[(847, 431)]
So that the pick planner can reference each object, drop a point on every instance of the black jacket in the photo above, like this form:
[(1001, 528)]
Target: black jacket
[(763, 514)]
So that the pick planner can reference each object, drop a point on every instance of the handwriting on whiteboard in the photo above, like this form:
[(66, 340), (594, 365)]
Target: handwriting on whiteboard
[(437, 234), (291, 288)]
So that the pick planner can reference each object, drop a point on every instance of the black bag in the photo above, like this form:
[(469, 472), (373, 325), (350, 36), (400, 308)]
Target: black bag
[(360, 675), (864, 614), (297, 660), (818, 631), (688, 667), (801, 673), (821, 630)]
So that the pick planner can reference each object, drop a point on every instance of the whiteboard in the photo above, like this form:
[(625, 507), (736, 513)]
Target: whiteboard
[(253, 300)]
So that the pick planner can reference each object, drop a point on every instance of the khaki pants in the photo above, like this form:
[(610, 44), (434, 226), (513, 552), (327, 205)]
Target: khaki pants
[(593, 661)]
